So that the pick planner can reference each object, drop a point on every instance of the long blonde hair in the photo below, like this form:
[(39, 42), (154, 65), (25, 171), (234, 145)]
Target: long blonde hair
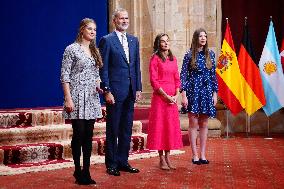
[(194, 49), (94, 50)]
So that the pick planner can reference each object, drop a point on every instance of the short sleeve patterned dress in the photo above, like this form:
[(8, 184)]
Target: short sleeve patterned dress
[(164, 126), (81, 72), (199, 84)]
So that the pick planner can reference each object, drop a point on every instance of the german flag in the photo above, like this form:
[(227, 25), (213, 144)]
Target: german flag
[(253, 89), (230, 79)]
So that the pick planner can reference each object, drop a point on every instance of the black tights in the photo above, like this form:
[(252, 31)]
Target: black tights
[(82, 138)]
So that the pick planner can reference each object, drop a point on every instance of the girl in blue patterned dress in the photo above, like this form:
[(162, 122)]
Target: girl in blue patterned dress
[(199, 91)]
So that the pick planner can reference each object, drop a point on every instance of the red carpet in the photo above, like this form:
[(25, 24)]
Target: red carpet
[(234, 163)]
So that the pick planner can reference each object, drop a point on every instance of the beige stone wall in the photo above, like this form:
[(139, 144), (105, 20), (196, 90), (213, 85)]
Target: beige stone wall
[(178, 18)]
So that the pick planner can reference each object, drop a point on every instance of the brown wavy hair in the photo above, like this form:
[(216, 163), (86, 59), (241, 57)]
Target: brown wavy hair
[(194, 49), (94, 50), (157, 47)]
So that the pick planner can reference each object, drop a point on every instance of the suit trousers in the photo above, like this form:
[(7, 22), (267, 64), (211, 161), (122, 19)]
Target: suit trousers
[(118, 131)]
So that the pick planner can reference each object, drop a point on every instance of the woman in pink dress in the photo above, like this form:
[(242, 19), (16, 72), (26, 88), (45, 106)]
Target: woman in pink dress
[(164, 127)]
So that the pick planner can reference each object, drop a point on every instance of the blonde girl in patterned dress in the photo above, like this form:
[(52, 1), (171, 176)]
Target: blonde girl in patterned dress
[(80, 80), (199, 91)]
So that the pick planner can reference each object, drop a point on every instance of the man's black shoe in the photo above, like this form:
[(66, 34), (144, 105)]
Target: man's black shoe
[(128, 168), (113, 171)]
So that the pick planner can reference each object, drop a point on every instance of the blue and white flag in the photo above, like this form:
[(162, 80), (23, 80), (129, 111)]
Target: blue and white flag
[(272, 74)]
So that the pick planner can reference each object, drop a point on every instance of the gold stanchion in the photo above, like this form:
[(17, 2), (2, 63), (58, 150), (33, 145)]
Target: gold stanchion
[(268, 129), (247, 125)]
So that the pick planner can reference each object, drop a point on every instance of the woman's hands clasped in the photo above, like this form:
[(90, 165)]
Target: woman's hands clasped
[(171, 99)]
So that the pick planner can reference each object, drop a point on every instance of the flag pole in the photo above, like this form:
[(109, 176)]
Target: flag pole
[(248, 125), (268, 127), (247, 117), (227, 123), (268, 117), (227, 111)]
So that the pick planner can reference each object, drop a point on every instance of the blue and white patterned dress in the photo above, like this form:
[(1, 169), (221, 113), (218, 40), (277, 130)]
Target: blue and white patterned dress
[(199, 84), (81, 72)]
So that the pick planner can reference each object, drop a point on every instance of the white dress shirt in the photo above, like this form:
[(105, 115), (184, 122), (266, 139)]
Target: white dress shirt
[(123, 40)]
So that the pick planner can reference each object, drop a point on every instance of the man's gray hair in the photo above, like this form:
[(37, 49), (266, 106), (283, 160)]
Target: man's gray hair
[(117, 11)]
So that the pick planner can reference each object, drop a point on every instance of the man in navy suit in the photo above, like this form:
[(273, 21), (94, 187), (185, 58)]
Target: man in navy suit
[(121, 81)]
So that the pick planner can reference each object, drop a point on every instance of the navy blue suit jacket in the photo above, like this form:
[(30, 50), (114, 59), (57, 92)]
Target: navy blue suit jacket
[(116, 73)]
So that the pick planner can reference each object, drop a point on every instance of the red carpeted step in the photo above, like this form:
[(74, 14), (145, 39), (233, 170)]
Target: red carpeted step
[(141, 113), (138, 142), (27, 155), (15, 119), (30, 118), (39, 134), (31, 154), (145, 124), (35, 117), (51, 133)]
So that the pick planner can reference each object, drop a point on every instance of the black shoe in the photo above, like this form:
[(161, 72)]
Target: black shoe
[(113, 171), (196, 162), (79, 178), (91, 181), (128, 168), (88, 179), (204, 161)]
